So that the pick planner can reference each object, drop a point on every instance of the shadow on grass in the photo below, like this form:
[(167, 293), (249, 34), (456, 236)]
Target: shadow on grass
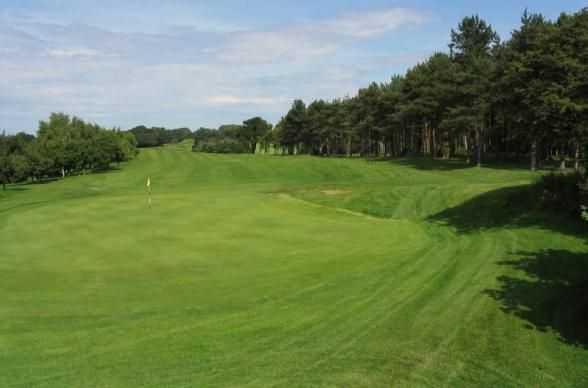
[(429, 164), (23, 206), (13, 188), (513, 207), (43, 181), (550, 289), (109, 170), (426, 164), (550, 295)]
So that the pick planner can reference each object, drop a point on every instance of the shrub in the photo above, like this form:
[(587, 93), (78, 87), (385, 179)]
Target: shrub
[(221, 146)]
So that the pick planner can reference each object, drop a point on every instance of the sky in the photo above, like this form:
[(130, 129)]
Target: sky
[(181, 63)]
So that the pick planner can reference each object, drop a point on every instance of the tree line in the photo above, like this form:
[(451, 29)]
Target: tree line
[(234, 138), (63, 146), (158, 136), (523, 98)]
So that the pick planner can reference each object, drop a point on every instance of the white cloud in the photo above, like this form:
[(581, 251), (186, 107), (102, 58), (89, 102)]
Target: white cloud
[(370, 24), (275, 47), (307, 42), (129, 78), (237, 100), (72, 52)]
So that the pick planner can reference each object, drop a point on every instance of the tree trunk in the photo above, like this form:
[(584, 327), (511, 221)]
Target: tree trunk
[(534, 155), (479, 141), (349, 146), (362, 151), (433, 143), (577, 157), (424, 141), (562, 159), (466, 148)]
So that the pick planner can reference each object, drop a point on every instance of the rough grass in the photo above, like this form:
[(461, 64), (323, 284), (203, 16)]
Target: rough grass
[(247, 271)]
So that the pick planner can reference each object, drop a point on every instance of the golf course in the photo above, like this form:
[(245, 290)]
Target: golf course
[(288, 271)]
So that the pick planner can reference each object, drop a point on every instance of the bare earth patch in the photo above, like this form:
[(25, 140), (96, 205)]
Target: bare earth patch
[(335, 192)]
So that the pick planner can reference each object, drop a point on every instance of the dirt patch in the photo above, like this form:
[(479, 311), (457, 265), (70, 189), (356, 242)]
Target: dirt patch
[(335, 192)]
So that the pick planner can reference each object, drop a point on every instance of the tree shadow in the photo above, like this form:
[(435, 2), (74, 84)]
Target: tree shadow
[(427, 164), (13, 188), (550, 288), (27, 205), (105, 170), (43, 181), (513, 207), (550, 293), (509, 165)]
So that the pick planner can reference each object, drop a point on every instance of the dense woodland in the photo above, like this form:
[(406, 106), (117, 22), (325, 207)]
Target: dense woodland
[(158, 136), (521, 99), (233, 138), (63, 146)]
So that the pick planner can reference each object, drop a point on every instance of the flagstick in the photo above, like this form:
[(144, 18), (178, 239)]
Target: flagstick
[(149, 190)]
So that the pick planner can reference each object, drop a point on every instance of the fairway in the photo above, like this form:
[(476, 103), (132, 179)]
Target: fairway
[(271, 271)]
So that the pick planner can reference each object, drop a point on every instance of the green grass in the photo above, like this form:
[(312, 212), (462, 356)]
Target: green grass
[(267, 271)]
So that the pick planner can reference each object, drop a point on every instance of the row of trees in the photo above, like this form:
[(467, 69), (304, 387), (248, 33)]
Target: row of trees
[(63, 146), (158, 136), (524, 97), (233, 138)]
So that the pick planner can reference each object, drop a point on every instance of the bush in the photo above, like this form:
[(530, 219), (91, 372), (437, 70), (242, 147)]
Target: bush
[(156, 136), (221, 146)]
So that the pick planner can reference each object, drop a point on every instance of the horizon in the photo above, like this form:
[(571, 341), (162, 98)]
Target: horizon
[(209, 65)]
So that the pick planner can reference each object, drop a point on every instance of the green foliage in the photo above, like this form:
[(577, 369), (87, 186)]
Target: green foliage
[(473, 38), (230, 130), (293, 126), (20, 167), (252, 131), (233, 139), (158, 136), (222, 145), (63, 146), (4, 161), (525, 98)]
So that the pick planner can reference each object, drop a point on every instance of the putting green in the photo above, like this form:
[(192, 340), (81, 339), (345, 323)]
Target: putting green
[(267, 271)]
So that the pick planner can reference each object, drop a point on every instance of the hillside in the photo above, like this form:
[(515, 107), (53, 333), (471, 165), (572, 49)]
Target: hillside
[(302, 271)]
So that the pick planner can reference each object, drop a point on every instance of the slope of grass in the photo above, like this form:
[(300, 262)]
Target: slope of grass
[(287, 271)]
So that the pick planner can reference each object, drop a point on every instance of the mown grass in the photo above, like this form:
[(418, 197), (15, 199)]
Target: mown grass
[(288, 271)]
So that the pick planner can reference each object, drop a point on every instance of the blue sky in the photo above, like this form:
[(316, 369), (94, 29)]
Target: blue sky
[(204, 63)]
